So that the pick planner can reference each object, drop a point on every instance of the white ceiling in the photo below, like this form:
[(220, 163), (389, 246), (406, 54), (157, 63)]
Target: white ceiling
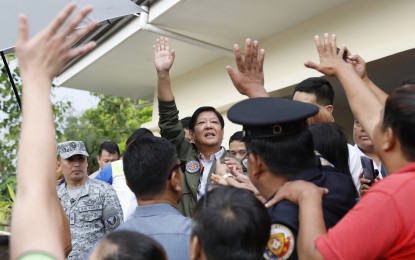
[(124, 67)]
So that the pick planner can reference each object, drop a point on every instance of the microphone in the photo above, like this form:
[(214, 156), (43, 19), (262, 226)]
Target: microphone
[(72, 201)]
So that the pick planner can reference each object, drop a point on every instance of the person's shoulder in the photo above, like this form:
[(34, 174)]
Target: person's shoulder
[(339, 183), (284, 212), (100, 185), (396, 183)]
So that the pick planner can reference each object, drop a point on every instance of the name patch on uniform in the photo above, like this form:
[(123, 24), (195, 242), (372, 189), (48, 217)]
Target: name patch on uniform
[(112, 221), (90, 208), (193, 166), (280, 244)]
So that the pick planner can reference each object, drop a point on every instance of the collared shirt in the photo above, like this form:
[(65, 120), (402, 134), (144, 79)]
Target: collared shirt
[(95, 211), (355, 164), (166, 225), (207, 164)]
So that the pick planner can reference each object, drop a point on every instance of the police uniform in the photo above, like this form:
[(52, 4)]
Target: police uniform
[(91, 215), (172, 130), (264, 118)]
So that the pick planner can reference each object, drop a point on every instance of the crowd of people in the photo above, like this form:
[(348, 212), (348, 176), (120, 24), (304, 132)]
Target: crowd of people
[(289, 187)]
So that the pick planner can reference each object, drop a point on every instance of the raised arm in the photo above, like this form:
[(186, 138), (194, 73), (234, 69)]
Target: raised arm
[(249, 78), (360, 67), (35, 222), (163, 61), (363, 102)]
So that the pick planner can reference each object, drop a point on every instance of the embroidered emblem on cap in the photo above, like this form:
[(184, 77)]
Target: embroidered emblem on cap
[(193, 166), (280, 244)]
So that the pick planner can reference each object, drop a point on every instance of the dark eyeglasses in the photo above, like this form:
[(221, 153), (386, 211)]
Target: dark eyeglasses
[(182, 166)]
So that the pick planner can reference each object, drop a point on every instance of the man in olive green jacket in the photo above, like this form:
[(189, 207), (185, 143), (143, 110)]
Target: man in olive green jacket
[(206, 127)]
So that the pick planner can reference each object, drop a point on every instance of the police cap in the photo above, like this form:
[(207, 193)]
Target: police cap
[(271, 117)]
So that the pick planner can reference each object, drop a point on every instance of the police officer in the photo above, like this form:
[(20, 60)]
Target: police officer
[(92, 206), (280, 149)]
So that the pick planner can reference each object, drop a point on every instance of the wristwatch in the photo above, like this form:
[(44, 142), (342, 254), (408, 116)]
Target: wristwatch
[(227, 175)]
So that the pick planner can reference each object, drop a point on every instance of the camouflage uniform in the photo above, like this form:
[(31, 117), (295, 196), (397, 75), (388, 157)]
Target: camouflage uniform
[(95, 212)]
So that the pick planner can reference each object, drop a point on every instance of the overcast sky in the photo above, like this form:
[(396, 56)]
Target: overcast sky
[(81, 100)]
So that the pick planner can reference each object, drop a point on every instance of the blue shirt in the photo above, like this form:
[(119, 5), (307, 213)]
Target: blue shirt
[(166, 225), (106, 174)]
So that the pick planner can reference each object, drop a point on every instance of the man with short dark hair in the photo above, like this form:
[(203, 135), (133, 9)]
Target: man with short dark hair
[(113, 174), (107, 152), (206, 127), (280, 148), (154, 174), (92, 206), (229, 223), (317, 91), (237, 147)]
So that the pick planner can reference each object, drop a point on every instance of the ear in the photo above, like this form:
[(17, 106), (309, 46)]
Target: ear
[(175, 181), (58, 165), (258, 166), (195, 248), (389, 139), (330, 108), (98, 159)]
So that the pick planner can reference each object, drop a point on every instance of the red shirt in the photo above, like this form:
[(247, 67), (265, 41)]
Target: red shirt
[(381, 225)]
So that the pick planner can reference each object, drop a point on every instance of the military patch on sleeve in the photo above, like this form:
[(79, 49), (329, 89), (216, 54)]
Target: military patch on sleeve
[(280, 244), (112, 221)]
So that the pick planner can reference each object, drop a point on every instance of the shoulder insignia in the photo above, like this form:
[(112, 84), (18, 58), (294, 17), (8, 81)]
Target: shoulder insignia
[(280, 244), (112, 221), (193, 166)]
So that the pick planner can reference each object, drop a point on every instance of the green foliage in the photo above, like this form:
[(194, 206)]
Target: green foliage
[(10, 119), (114, 119)]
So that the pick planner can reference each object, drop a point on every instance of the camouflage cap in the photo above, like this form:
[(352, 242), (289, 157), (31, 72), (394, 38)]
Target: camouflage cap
[(71, 148)]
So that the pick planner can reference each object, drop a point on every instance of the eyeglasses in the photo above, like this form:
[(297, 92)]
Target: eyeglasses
[(182, 166)]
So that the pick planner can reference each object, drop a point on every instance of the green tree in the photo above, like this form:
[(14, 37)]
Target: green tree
[(10, 119), (114, 119)]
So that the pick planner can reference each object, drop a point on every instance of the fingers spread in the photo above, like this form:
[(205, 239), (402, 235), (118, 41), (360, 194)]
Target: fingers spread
[(60, 19)]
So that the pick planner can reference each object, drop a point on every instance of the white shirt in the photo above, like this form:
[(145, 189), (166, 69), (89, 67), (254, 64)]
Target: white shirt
[(207, 164), (355, 165)]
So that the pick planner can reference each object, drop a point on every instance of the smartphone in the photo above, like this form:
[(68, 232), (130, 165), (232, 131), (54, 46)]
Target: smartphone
[(368, 170), (345, 54)]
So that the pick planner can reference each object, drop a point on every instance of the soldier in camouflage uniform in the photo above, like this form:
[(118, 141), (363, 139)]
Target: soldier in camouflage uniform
[(92, 206)]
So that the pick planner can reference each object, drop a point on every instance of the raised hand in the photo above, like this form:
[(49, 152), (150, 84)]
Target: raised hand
[(221, 169), (249, 78), (163, 56), (48, 51), (331, 61)]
